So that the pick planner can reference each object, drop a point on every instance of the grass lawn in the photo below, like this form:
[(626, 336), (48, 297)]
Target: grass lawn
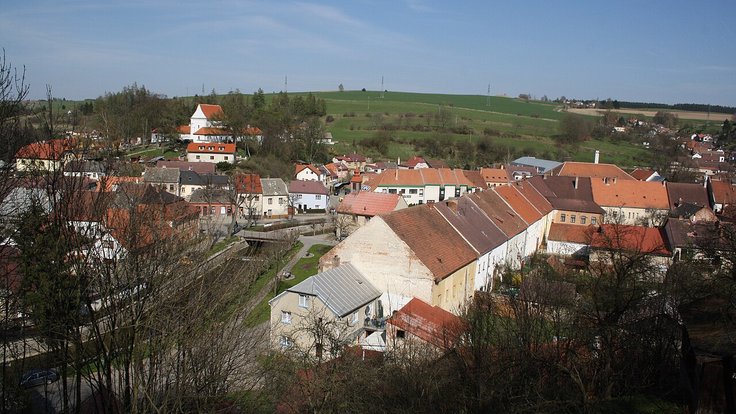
[(155, 152), (305, 267), (220, 245)]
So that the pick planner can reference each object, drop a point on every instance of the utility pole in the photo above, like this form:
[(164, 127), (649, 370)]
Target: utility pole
[(488, 96), (286, 82), (382, 87)]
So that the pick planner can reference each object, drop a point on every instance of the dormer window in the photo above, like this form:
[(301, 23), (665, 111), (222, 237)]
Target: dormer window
[(201, 147), (222, 148)]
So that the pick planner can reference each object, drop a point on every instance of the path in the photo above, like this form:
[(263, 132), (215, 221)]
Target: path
[(308, 242)]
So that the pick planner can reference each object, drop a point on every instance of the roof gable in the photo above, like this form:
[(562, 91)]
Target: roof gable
[(521, 205), (211, 111), (431, 238), (342, 289)]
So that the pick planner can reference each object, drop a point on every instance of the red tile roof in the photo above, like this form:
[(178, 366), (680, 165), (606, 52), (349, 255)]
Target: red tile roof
[(210, 148), (212, 111), (723, 192), (184, 129), (630, 193), (535, 197), (413, 161), (248, 184), (53, 149), (367, 203), (570, 233), (649, 240), (588, 169), (429, 323), (437, 245)]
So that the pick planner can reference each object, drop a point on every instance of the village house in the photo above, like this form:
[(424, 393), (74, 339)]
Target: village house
[(494, 177), (632, 202), (275, 202), (481, 234), (190, 181), (419, 324), (211, 152), (356, 209), (212, 204), (571, 198), (352, 161), (207, 125), (569, 239), (680, 194), (425, 185), (309, 172), (722, 194), (645, 174), (198, 167), (534, 213), (165, 178), (94, 170), (45, 156), (413, 163), (649, 242), (339, 303), (308, 195), (409, 253), (540, 165), (249, 195)]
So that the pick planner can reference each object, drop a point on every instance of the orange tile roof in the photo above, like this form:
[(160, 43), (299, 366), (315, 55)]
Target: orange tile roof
[(630, 193), (536, 198), (422, 177), (184, 129), (570, 233), (495, 175), (589, 169), (367, 203), (212, 111), (649, 240), (213, 131), (521, 205), (52, 149), (109, 182), (210, 148), (248, 184), (301, 167), (437, 245), (723, 192), (642, 174), (429, 323)]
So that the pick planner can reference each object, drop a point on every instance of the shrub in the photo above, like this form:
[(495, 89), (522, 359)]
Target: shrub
[(329, 118)]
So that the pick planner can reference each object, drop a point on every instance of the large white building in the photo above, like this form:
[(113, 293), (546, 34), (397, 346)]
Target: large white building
[(206, 125)]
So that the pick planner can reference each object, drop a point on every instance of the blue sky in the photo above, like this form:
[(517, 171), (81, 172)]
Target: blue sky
[(654, 51)]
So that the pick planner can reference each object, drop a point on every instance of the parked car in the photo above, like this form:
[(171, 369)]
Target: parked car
[(37, 377)]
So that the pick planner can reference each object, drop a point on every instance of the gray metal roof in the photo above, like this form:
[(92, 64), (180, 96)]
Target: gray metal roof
[(273, 186), (193, 178), (343, 289), (543, 165)]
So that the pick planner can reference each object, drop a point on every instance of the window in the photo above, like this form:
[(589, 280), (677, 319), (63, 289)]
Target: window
[(171, 187), (400, 334), (212, 157), (285, 342), (421, 191), (226, 158), (392, 191), (304, 301), (201, 147), (270, 201), (298, 196), (563, 217), (354, 318), (281, 201), (318, 197), (412, 191), (285, 317), (222, 148), (583, 219), (197, 156), (593, 221), (457, 191), (257, 198), (402, 191), (572, 218)]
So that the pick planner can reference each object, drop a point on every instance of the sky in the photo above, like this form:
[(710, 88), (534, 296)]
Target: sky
[(646, 51)]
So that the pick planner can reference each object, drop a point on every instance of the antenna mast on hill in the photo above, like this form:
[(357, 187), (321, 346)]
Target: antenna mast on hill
[(286, 83), (488, 97), (382, 87)]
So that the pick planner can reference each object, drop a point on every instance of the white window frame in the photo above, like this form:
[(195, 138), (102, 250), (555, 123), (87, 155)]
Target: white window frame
[(304, 301), (285, 317)]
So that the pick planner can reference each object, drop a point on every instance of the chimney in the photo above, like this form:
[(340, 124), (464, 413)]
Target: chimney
[(452, 204), (597, 157), (575, 185)]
